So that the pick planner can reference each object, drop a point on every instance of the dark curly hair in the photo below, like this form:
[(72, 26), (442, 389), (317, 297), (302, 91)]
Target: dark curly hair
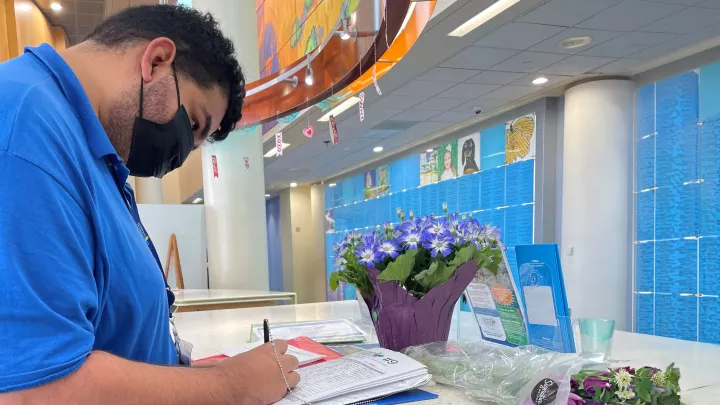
[(203, 53)]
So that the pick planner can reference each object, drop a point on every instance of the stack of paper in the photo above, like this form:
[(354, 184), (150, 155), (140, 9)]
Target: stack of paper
[(332, 331), (304, 357), (359, 377)]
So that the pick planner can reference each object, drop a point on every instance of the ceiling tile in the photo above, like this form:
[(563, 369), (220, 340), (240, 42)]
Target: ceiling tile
[(511, 92), (518, 36), (567, 12), (87, 7), (415, 115), (396, 102), (628, 44), (448, 75), (678, 43), (710, 3), (629, 15), (468, 90), (479, 58), (484, 103), (453, 116), (553, 44), (493, 77), (422, 88), (576, 65), (552, 80), (528, 62), (439, 104), (620, 66), (680, 2), (685, 21)]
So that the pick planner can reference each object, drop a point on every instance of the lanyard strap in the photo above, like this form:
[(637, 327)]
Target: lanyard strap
[(129, 200)]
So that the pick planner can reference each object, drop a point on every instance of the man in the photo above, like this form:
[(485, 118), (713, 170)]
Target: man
[(84, 314)]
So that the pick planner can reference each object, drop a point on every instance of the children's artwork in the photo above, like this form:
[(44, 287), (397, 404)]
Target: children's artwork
[(448, 161), (382, 182), (520, 139), (469, 154), (330, 220), (371, 184), (428, 168), (497, 309)]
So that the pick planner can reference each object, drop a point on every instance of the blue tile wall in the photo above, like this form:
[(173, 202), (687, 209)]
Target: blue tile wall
[(677, 266)]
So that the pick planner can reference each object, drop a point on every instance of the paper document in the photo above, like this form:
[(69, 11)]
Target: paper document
[(303, 356), (334, 331), (358, 377)]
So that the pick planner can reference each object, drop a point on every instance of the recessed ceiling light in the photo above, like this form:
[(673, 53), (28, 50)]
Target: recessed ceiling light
[(332, 185), (483, 17), (56, 6), (293, 185), (378, 149), (429, 150), (540, 80), (197, 200), (267, 195), (575, 42)]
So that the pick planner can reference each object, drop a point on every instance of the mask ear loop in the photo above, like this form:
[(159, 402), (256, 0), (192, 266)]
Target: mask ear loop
[(140, 113), (177, 86)]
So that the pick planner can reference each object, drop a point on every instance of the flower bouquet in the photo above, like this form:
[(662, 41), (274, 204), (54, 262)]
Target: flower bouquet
[(411, 275), (644, 386)]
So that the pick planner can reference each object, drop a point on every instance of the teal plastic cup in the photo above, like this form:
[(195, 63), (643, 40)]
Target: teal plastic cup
[(596, 337)]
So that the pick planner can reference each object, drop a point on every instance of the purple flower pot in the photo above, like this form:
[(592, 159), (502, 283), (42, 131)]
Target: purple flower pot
[(401, 320)]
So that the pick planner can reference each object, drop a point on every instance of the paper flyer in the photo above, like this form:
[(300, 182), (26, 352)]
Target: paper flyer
[(494, 301)]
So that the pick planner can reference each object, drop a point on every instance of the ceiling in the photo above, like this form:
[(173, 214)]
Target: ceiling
[(437, 86), (77, 17)]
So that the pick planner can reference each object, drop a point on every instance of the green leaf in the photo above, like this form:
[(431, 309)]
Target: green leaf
[(464, 255), (296, 33), (489, 259), (643, 389), (400, 269), (437, 274), (334, 282)]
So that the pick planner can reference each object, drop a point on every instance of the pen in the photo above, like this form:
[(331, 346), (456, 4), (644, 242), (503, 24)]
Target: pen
[(266, 331)]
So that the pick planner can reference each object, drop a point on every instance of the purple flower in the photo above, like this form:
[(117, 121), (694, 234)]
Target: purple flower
[(574, 399), (627, 368), (368, 256), (388, 248), (411, 240), (593, 384), (652, 371), (438, 245), (370, 240)]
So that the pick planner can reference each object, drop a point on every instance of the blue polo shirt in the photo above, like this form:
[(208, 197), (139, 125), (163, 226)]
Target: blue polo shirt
[(76, 273)]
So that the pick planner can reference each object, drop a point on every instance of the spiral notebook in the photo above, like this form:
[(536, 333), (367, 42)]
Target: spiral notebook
[(370, 375)]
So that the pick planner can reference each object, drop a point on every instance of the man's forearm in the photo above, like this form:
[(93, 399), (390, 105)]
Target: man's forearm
[(109, 380)]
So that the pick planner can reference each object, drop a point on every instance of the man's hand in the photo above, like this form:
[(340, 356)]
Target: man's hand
[(256, 374)]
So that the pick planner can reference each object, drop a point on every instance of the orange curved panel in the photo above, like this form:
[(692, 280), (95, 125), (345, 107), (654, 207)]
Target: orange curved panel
[(341, 67)]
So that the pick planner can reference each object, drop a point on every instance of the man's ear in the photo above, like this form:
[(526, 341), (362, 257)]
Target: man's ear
[(158, 58)]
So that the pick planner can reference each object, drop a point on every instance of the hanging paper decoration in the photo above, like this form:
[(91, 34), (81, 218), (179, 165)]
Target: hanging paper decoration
[(290, 118), (215, 166), (309, 131), (362, 106), (247, 162), (248, 130), (323, 105), (333, 130), (375, 82), (278, 144)]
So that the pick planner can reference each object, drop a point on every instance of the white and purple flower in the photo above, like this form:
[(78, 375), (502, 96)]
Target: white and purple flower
[(439, 245), (388, 248), (368, 256), (411, 240)]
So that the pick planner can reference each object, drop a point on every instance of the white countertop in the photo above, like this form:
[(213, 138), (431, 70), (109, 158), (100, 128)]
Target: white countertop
[(195, 297), (213, 332)]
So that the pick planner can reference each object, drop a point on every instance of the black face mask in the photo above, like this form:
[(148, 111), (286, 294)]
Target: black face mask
[(157, 149)]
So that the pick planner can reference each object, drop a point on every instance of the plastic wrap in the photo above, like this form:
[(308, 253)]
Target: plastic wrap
[(495, 374)]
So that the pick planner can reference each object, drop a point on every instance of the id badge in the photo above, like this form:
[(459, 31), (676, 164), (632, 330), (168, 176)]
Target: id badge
[(182, 347)]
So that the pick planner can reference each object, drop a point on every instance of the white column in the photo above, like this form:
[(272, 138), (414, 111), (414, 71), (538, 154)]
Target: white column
[(148, 190), (597, 200), (235, 198)]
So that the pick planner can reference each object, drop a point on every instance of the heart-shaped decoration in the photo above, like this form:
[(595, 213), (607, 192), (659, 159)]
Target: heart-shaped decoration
[(309, 131)]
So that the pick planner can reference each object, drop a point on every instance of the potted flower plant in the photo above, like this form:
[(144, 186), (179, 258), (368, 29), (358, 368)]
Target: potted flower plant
[(411, 275), (626, 386)]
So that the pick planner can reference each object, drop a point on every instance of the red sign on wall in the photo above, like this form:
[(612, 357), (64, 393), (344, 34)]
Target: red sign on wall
[(215, 167)]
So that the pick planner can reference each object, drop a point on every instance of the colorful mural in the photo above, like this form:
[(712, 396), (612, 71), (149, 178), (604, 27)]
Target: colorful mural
[(290, 29)]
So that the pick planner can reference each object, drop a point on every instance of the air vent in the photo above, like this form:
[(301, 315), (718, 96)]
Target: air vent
[(394, 125)]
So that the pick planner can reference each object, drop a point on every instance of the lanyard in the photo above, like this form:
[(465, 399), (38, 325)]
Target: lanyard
[(129, 201)]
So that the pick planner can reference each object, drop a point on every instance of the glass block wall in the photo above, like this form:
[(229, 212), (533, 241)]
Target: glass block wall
[(677, 200)]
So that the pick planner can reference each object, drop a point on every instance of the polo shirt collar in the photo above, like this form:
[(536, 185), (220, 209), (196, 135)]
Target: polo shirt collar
[(97, 138)]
